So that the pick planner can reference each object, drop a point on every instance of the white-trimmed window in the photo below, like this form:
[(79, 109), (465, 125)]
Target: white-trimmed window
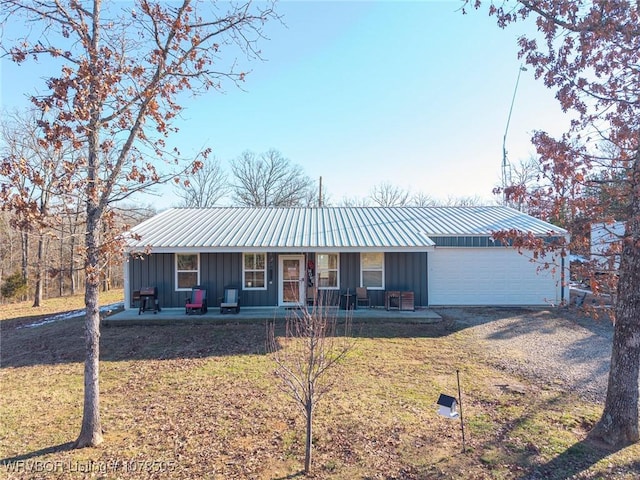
[(187, 270), (372, 270), (254, 271), (327, 270)]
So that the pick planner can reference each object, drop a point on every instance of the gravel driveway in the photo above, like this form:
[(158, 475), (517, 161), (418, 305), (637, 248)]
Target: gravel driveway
[(555, 346)]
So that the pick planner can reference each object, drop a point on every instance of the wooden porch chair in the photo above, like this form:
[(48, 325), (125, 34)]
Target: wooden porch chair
[(197, 301), (362, 297)]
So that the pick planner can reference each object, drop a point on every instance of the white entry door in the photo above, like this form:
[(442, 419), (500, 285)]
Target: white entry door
[(291, 287)]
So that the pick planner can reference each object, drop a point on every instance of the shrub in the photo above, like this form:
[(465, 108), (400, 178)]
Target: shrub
[(14, 286)]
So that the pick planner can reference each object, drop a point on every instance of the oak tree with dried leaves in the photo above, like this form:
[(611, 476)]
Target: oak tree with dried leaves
[(588, 51), (122, 70)]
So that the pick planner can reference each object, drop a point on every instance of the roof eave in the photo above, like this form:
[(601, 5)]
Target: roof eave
[(194, 249)]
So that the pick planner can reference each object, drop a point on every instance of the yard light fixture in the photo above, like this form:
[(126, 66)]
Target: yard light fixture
[(450, 407)]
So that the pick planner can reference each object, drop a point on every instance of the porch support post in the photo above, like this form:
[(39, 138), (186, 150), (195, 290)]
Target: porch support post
[(127, 290)]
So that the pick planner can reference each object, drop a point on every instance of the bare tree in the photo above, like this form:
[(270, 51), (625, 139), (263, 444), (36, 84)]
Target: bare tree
[(310, 348), (460, 202), (122, 70), (387, 195), (271, 180), (33, 198), (14, 150), (354, 202), (75, 218), (8, 246), (525, 178), (422, 200), (203, 187)]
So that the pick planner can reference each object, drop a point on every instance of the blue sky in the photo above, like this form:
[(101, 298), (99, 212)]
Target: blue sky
[(410, 93)]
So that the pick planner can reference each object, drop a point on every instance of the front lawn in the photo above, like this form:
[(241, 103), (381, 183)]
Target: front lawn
[(201, 401)]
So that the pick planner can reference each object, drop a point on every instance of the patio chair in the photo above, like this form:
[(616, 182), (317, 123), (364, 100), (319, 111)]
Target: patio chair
[(197, 301), (362, 297), (230, 301)]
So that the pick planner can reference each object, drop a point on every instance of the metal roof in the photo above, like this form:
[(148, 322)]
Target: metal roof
[(344, 228)]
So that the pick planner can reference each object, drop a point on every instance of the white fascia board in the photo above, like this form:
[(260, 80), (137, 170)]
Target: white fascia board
[(277, 249)]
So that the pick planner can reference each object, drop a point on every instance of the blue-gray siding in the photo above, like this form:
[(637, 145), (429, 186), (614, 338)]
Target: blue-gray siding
[(403, 271)]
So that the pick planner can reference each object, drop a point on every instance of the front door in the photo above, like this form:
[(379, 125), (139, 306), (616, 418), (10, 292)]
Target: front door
[(291, 288)]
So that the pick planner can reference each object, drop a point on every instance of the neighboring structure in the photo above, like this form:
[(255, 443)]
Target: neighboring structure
[(606, 245), (444, 255)]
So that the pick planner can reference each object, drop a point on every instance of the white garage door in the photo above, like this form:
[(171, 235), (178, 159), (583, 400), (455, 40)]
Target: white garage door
[(489, 276)]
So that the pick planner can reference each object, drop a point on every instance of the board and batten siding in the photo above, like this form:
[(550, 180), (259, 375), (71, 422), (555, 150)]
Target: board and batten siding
[(217, 271), (155, 270), (403, 271)]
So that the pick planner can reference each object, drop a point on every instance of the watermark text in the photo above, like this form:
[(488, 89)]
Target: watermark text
[(90, 466)]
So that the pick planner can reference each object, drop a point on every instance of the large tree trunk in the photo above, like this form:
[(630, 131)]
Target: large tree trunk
[(91, 432), (619, 422)]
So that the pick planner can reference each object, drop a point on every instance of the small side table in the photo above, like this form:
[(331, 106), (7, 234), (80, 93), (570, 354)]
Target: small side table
[(392, 300), (407, 301)]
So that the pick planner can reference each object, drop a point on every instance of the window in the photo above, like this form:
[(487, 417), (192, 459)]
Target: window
[(327, 270), (372, 270), (254, 271), (187, 270)]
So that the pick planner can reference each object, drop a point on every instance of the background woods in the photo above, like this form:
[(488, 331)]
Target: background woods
[(42, 219)]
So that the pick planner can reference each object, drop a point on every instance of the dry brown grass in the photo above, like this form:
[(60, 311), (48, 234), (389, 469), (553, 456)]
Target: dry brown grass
[(24, 311), (200, 401)]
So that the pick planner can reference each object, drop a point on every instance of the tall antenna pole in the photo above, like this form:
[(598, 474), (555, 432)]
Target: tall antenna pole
[(506, 168)]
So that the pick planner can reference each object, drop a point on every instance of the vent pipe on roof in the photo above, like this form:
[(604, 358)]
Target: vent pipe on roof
[(320, 193)]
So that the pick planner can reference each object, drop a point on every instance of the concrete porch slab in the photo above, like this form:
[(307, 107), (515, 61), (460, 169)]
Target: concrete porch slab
[(177, 316)]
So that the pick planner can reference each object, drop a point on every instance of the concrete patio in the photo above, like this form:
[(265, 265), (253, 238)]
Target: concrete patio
[(177, 316)]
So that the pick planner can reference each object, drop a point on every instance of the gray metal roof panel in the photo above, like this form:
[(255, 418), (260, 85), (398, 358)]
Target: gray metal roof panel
[(327, 227)]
